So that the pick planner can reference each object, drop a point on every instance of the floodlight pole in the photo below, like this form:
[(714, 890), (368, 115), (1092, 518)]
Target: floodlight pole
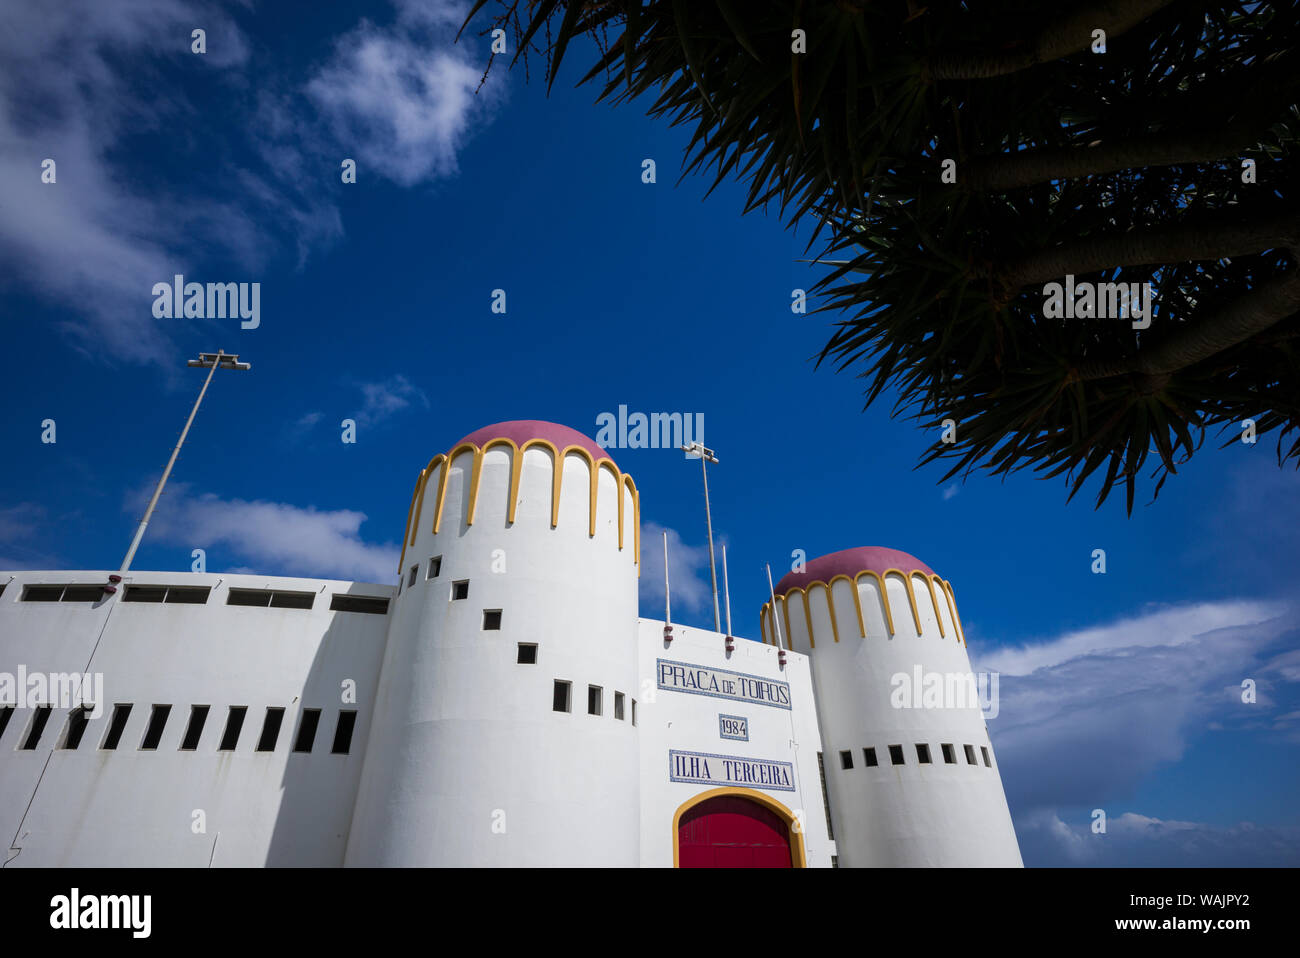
[(706, 456), (220, 358)]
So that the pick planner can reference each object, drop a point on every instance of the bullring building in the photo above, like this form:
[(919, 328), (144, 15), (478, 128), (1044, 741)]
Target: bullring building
[(502, 705)]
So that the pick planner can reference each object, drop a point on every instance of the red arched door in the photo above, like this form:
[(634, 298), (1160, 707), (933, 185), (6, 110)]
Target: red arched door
[(729, 831)]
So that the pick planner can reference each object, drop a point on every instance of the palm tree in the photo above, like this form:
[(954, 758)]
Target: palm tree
[(958, 159)]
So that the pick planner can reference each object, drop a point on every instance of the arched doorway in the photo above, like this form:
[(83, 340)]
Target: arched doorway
[(735, 828)]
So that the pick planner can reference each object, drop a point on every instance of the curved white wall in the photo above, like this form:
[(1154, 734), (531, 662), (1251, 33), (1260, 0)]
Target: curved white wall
[(467, 763), (913, 814)]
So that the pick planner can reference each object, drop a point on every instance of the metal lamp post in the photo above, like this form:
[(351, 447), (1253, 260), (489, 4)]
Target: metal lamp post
[(211, 362)]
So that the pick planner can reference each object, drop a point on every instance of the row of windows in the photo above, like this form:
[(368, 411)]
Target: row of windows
[(896, 756), (459, 587), (198, 595), (79, 719), (563, 698)]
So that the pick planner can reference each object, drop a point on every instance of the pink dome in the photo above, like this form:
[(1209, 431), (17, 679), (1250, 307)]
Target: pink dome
[(521, 430), (850, 562)]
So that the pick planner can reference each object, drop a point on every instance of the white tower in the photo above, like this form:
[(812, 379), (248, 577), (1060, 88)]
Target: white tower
[(502, 731), (910, 773)]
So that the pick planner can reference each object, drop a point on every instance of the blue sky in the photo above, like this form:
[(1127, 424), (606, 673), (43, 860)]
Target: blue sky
[(1119, 691)]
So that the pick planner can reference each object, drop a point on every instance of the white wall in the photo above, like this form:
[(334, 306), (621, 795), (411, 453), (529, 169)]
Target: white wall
[(132, 807), (686, 721), (467, 764), (913, 814)]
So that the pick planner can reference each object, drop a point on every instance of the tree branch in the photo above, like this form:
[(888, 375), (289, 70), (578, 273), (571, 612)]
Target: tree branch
[(1256, 311), (1153, 247), (1010, 171), (1068, 35)]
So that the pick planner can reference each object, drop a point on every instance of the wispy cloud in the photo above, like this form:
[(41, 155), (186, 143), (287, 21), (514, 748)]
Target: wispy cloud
[(1088, 715), (18, 523), (399, 98), (1138, 841), (688, 572), (275, 538), (402, 105), (384, 399)]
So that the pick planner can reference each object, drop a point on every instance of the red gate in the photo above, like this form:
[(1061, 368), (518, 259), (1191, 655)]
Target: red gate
[(732, 832)]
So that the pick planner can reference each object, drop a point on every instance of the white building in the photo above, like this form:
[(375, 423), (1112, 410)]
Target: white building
[(502, 705)]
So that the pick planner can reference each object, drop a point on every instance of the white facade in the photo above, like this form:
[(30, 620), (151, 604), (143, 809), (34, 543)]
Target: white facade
[(460, 751), (910, 770)]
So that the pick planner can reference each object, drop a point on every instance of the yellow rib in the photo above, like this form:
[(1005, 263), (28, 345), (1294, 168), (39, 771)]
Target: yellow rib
[(933, 601), (884, 597)]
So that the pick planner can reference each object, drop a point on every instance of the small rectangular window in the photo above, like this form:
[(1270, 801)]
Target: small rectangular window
[(153, 732), (970, 755), (923, 754), (78, 719), (491, 620), (435, 567), (896, 754), (869, 757), (144, 593), (183, 594), (372, 604), (634, 711), (194, 731), (83, 593), (234, 725), (343, 732), (527, 654), (42, 593), (116, 726), (270, 730), (307, 730), (985, 752), (595, 700), (253, 597), (846, 759), (37, 728), (293, 600), (460, 589), (410, 576), (949, 756), (618, 706), (6, 713), (560, 699)]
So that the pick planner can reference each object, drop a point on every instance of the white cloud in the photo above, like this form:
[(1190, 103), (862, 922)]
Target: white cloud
[(688, 573), (1087, 716), (402, 107), (82, 80), (18, 523), (99, 237), (951, 491), (275, 538), (1161, 627), (1134, 840), (384, 399)]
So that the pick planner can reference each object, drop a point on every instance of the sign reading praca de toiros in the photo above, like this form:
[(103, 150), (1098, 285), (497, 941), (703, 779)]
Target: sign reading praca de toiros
[(722, 683)]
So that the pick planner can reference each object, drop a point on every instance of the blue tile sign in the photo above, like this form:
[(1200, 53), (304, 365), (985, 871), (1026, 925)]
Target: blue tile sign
[(734, 727), (723, 684), (704, 768)]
